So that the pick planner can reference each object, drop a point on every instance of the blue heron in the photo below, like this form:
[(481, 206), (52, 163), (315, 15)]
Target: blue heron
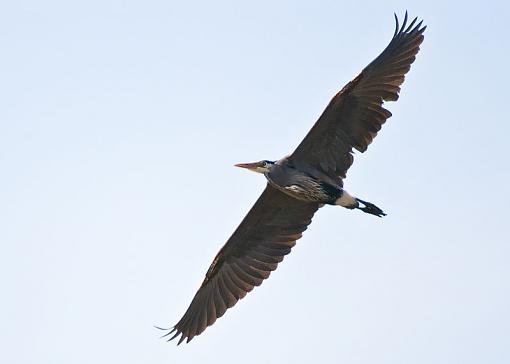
[(299, 184)]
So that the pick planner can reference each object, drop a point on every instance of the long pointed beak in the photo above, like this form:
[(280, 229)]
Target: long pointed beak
[(250, 166)]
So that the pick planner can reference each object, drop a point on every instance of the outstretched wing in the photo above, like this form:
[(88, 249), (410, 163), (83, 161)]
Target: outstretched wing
[(264, 237), (355, 114)]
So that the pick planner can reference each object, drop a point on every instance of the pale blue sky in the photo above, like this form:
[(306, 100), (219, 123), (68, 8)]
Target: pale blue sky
[(119, 125)]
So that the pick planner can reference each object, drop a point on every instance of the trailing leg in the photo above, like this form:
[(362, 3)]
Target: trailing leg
[(369, 208), (350, 202)]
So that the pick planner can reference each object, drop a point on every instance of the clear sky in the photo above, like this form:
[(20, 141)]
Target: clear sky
[(120, 122)]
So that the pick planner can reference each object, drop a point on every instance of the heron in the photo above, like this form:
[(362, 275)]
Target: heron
[(301, 183)]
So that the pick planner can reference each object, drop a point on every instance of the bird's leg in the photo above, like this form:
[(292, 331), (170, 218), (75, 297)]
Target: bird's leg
[(370, 208), (346, 200)]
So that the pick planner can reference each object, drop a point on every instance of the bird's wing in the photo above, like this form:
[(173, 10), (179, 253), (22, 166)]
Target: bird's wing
[(355, 114), (264, 237)]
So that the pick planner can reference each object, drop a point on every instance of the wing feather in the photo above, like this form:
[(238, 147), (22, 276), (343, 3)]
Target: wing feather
[(264, 237), (355, 115)]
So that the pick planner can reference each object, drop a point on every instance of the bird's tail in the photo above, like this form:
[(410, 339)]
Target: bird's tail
[(369, 208)]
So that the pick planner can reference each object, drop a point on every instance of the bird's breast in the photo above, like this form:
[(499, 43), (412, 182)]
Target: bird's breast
[(307, 189)]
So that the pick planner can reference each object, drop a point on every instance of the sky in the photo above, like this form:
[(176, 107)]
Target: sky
[(120, 122)]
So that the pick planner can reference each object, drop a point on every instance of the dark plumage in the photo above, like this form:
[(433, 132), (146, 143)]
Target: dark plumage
[(298, 185)]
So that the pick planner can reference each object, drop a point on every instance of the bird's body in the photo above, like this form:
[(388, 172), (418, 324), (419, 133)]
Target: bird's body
[(299, 184), (309, 186)]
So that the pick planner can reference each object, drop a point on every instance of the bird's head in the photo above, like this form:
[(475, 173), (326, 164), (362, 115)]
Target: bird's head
[(259, 167)]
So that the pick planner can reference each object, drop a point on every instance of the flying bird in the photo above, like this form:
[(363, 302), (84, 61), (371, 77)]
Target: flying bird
[(299, 184)]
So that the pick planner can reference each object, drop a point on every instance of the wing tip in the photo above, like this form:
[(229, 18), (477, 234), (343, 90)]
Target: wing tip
[(396, 25), (176, 332), (408, 29)]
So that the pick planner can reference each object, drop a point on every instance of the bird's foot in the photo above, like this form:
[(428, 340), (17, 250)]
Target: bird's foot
[(370, 208)]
